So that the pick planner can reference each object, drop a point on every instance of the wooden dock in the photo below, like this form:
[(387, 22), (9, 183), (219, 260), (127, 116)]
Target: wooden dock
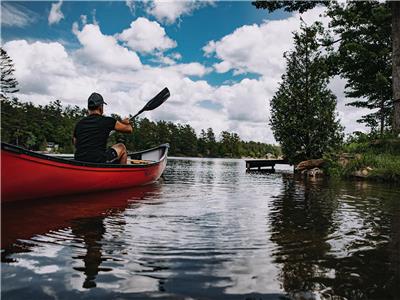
[(264, 164)]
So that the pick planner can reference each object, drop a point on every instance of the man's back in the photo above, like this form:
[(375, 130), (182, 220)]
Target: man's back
[(91, 134)]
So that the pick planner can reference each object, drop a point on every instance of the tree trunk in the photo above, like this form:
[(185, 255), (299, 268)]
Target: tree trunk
[(395, 7)]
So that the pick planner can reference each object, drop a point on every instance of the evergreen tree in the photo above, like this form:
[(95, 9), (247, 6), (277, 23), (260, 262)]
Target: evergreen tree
[(303, 109), (212, 147), (8, 83), (372, 24), (202, 143), (364, 58), (31, 126)]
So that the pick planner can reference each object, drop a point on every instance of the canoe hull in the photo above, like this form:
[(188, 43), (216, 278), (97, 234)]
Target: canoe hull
[(30, 177)]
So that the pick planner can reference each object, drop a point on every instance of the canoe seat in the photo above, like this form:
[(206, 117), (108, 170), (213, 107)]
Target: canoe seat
[(139, 161)]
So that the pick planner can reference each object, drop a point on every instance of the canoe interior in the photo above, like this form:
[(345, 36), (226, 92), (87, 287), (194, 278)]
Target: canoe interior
[(32, 175), (136, 159)]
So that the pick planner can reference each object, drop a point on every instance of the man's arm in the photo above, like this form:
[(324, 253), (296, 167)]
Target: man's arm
[(123, 126)]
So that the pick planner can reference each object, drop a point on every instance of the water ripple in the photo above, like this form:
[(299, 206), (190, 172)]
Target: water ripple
[(209, 230)]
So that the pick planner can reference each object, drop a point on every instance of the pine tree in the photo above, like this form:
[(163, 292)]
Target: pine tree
[(303, 109), (365, 58), (212, 147), (8, 82), (373, 22)]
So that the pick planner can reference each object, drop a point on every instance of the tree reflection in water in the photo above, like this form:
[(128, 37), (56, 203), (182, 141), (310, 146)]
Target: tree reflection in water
[(331, 240)]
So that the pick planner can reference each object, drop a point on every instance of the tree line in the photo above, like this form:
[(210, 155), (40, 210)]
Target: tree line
[(34, 126)]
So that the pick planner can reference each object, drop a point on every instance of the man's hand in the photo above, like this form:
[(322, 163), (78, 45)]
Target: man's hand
[(123, 126)]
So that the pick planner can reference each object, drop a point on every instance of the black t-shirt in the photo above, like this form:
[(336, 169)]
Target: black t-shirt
[(91, 135)]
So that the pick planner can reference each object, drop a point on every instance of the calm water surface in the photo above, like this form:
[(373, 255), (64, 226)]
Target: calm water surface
[(209, 230)]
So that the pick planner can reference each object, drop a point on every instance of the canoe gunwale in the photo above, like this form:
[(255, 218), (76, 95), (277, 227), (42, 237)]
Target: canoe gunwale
[(68, 162)]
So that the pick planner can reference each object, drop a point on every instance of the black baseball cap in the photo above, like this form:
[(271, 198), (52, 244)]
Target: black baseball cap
[(95, 99)]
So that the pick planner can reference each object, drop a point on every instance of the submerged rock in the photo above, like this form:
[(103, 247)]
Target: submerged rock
[(314, 172), (309, 164), (363, 173)]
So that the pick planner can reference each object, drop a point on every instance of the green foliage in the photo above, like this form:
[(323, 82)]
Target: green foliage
[(376, 147), (363, 151), (364, 57), (289, 6), (384, 166), (31, 126), (303, 109), (8, 83), (363, 32)]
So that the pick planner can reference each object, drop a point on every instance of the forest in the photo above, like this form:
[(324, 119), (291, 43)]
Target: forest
[(34, 126)]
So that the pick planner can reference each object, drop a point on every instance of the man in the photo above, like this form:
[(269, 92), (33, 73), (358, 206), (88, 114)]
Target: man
[(91, 134)]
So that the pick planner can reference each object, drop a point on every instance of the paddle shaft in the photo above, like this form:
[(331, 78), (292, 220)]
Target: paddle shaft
[(155, 102)]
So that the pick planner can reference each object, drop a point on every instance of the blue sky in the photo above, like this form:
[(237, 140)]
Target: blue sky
[(191, 32), (221, 60)]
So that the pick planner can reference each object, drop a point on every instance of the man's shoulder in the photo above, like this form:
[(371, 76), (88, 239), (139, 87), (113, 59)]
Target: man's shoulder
[(95, 119)]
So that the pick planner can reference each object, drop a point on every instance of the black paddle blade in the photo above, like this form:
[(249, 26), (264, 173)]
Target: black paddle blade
[(159, 99)]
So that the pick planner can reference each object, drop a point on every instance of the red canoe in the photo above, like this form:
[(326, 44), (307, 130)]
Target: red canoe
[(31, 175)]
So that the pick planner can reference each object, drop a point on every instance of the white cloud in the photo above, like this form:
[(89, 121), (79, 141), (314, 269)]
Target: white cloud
[(84, 19), (131, 5), (15, 15), (46, 71), (168, 11), (55, 15), (39, 64), (190, 69), (104, 50), (348, 115), (169, 59), (258, 48), (146, 36)]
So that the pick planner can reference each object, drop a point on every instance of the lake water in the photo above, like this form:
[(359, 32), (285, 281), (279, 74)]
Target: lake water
[(208, 230)]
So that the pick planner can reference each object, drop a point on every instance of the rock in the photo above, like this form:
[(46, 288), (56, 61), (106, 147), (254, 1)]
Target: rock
[(345, 158), (362, 173), (358, 173), (310, 164), (269, 156), (315, 172)]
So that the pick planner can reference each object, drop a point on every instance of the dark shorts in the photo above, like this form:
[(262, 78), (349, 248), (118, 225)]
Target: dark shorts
[(109, 156)]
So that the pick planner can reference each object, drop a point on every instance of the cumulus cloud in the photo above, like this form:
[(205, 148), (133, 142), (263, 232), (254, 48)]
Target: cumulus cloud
[(57, 74), (190, 69), (15, 15), (258, 48), (46, 71), (146, 36), (104, 50), (168, 11), (131, 5), (347, 114), (38, 63), (55, 15)]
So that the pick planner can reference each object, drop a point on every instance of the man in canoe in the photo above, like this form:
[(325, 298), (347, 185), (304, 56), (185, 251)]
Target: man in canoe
[(91, 134)]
